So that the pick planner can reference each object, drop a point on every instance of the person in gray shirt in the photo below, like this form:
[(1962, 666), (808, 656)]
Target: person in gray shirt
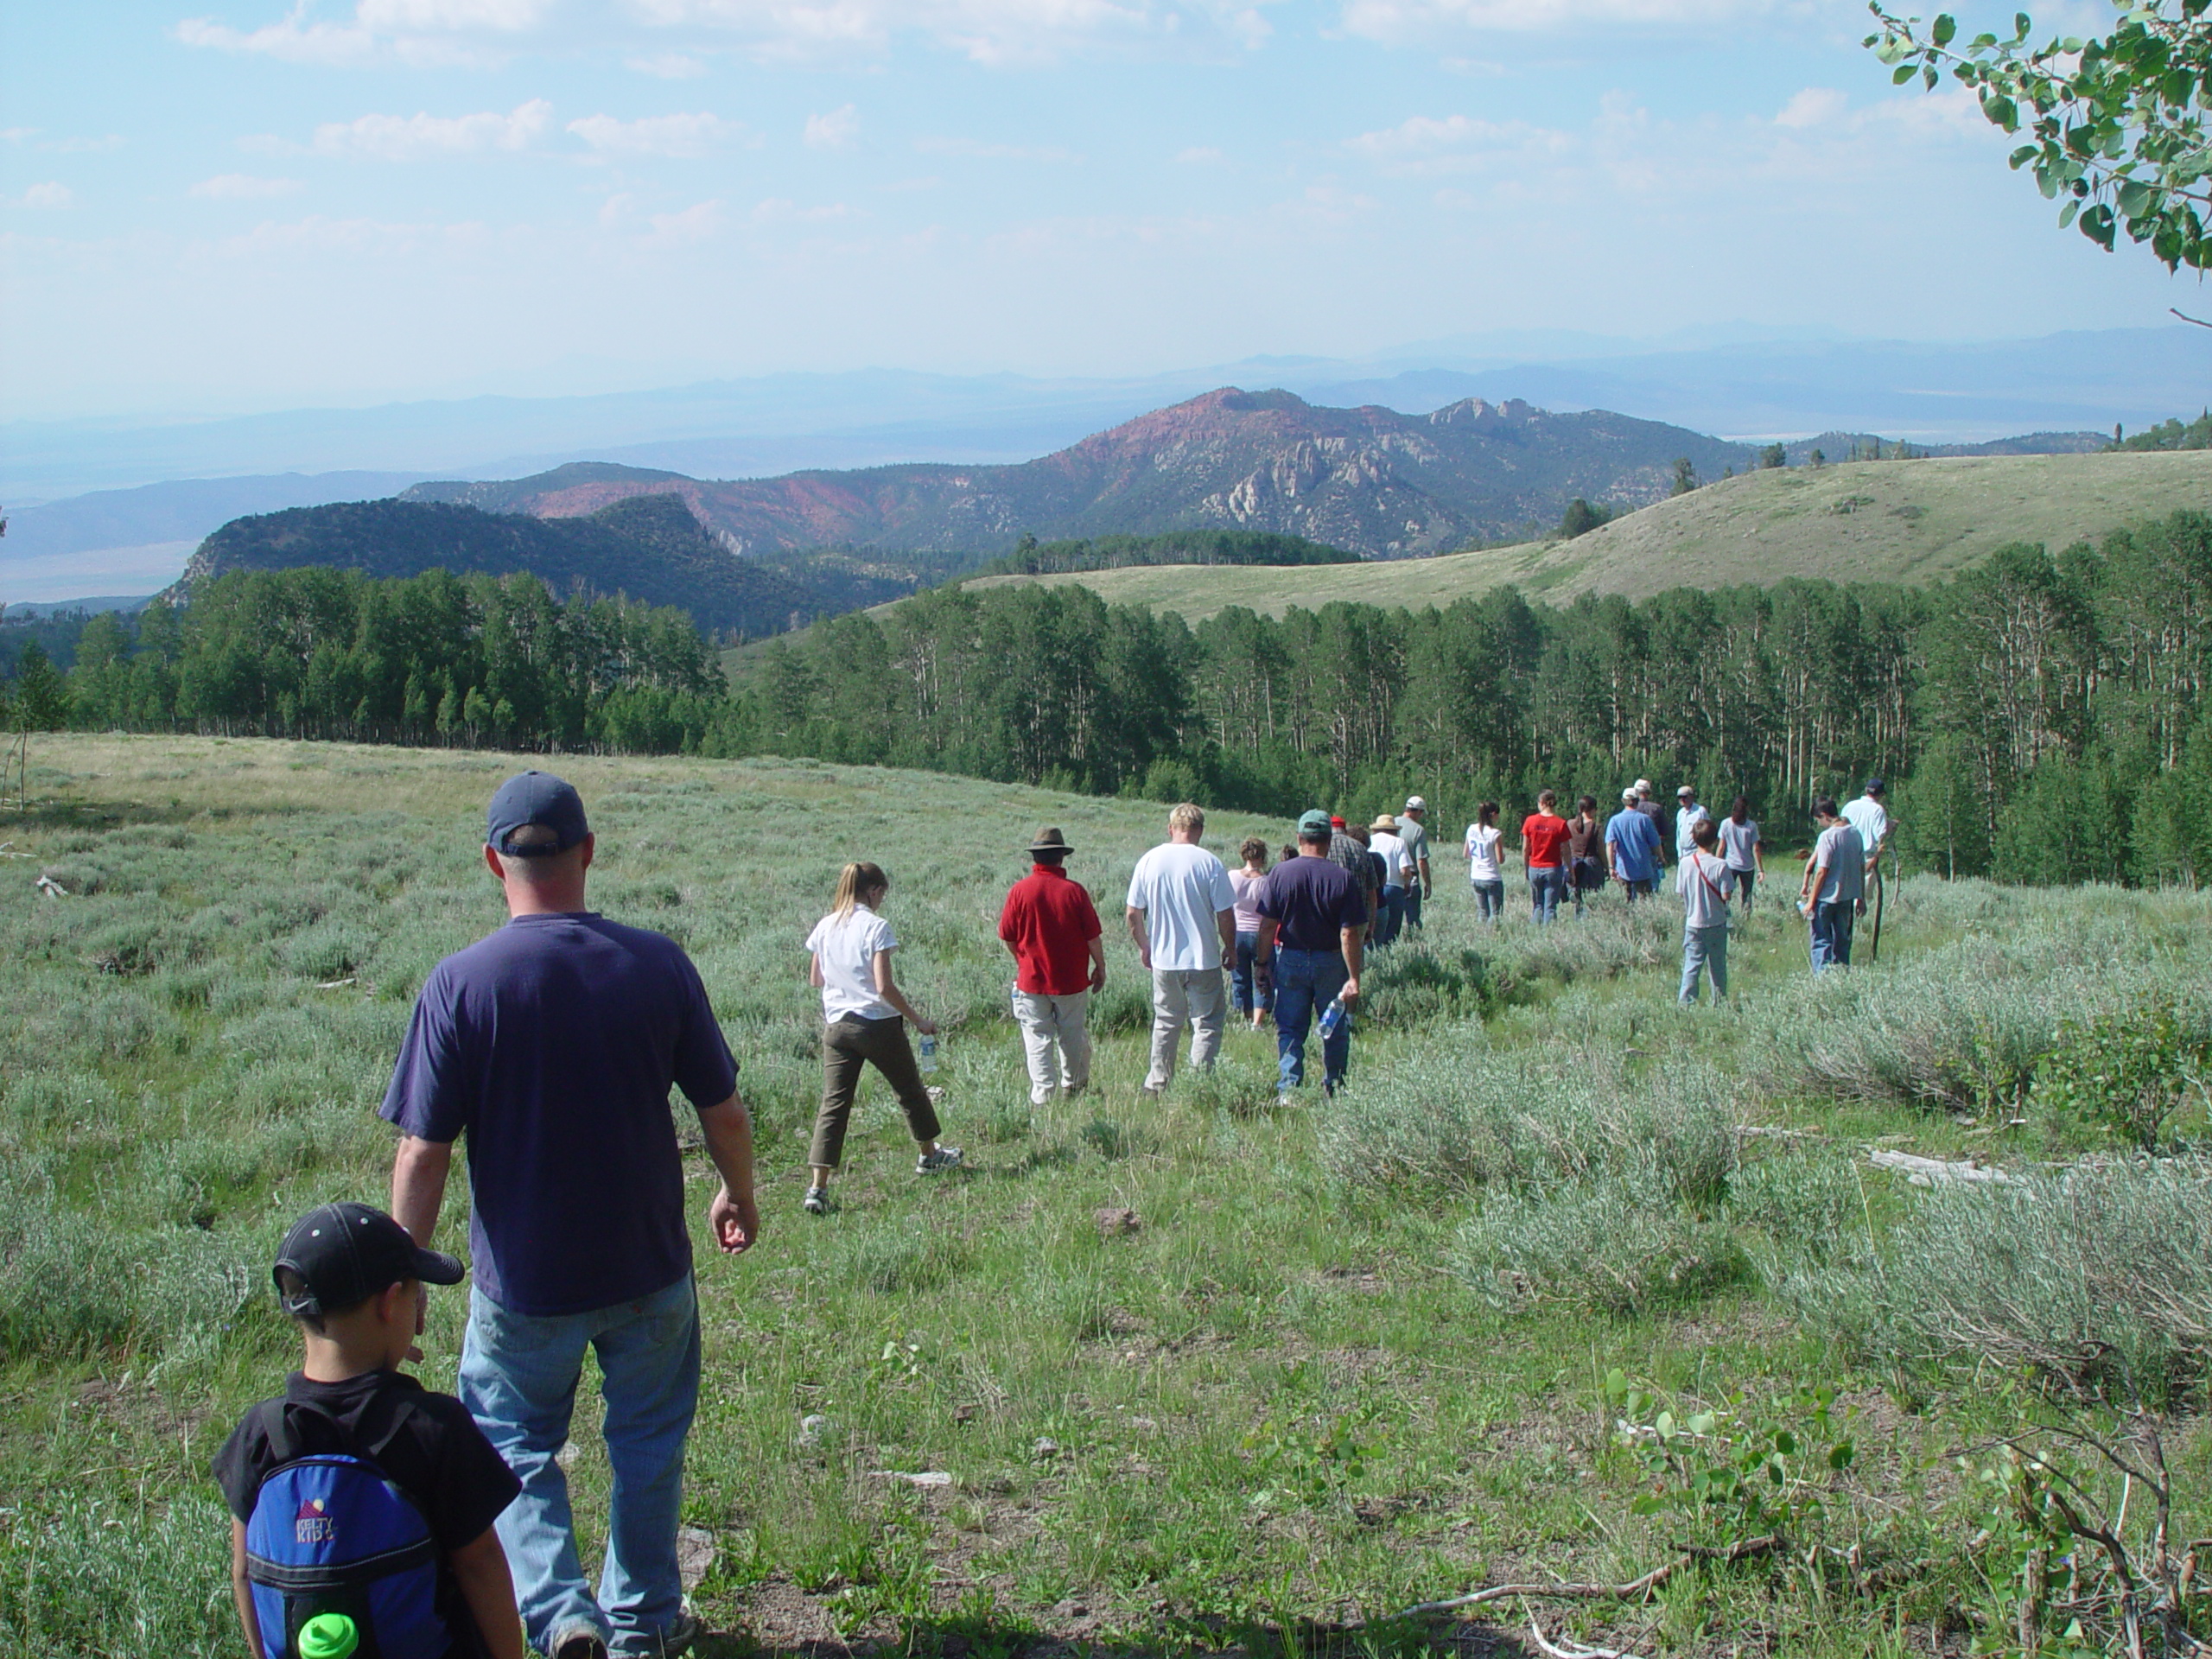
[(1740, 850)]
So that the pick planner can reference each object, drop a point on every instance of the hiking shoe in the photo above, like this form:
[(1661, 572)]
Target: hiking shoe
[(943, 1158), (676, 1639), (818, 1201), (577, 1641)]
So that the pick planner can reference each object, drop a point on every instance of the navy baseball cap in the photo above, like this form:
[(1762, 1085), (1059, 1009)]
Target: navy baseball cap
[(1875, 786), (535, 798), (346, 1253)]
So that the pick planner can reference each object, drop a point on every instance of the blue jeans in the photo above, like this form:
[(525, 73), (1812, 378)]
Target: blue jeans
[(1706, 949), (1247, 982), (1546, 889), (1832, 936), (518, 1376), (1412, 907), (1389, 915), (1490, 900), (1307, 982), (1745, 881)]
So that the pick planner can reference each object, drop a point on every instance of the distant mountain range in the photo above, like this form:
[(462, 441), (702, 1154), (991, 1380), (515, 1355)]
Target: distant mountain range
[(1737, 386), (1379, 483), (756, 556), (649, 547)]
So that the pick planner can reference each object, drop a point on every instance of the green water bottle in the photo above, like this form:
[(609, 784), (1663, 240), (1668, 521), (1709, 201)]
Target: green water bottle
[(328, 1636)]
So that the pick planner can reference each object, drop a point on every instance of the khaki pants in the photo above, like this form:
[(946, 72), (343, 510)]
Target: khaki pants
[(1055, 1041), (1180, 998), (848, 1046)]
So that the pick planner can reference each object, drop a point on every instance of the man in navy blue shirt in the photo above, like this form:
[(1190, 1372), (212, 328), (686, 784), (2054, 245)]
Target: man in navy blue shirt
[(1313, 915), (552, 1046)]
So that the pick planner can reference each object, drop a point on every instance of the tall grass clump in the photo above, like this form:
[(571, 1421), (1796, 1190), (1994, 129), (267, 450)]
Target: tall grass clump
[(1965, 1024), (1453, 1117), (1624, 1242), (96, 1577), (2100, 1276)]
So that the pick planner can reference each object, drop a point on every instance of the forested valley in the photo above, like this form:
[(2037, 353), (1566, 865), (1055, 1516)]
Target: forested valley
[(2041, 717)]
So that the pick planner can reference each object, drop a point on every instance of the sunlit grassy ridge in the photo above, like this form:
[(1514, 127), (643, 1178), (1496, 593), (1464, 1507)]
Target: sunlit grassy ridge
[(1862, 521), (1349, 1357)]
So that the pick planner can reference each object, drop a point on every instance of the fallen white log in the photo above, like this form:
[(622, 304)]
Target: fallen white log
[(1934, 1172)]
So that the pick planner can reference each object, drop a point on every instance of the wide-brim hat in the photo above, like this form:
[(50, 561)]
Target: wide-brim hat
[(1050, 840), (1383, 821)]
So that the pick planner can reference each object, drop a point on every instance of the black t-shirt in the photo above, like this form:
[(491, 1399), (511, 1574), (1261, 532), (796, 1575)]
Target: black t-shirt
[(440, 1458)]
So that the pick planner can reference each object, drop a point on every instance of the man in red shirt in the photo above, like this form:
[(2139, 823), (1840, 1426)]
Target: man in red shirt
[(1543, 849), (1051, 928)]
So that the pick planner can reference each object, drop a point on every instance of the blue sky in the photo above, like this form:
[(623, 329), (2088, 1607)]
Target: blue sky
[(226, 205)]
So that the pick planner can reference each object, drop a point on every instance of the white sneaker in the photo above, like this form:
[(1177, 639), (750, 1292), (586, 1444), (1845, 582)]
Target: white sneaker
[(943, 1158)]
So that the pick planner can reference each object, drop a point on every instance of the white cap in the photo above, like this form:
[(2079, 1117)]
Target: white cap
[(1687, 788), (1414, 803), (1628, 794), (1644, 785)]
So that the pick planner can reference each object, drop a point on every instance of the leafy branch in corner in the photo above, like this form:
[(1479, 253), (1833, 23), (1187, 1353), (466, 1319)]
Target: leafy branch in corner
[(2115, 127)]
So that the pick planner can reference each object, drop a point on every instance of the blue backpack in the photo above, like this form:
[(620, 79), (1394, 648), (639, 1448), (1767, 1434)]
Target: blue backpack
[(330, 1533)]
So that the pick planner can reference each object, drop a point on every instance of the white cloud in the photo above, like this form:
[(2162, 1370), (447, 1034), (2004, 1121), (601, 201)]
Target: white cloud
[(46, 195), (100, 146), (700, 222), (289, 41), (411, 137), (1399, 21), (986, 31), (681, 136), (780, 210), (835, 130), (1452, 143), (242, 186), (16, 135), (1200, 156), (394, 17), (415, 31), (976, 150), (1814, 106), (667, 66)]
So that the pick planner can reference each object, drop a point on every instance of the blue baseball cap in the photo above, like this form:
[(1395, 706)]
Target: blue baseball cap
[(540, 799), (1315, 822)]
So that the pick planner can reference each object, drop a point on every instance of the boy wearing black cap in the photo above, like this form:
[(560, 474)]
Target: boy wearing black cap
[(354, 1280)]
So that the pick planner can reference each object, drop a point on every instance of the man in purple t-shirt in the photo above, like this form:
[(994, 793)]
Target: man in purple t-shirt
[(1314, 917), (552, 1046)]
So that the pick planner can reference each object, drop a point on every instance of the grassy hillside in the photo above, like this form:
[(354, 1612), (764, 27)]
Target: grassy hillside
[(1888, 521), (1196, 1374)]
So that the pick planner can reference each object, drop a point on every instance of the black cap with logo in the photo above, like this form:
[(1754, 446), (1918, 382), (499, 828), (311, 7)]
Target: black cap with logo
[(346, 1253)]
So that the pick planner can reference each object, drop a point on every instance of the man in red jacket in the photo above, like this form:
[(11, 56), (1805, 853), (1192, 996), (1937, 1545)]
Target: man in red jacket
[(1051, 928)]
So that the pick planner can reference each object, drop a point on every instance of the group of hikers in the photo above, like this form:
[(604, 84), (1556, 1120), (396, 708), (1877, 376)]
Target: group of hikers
[(372, 1514)]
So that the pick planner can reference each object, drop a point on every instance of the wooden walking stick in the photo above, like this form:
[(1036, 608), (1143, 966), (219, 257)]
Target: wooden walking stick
[(1874, 951)]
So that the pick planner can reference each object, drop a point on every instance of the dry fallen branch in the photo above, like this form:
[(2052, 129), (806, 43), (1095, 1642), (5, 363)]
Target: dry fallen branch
[(1934, 1172), (1691, 1554), (1569, 1648)]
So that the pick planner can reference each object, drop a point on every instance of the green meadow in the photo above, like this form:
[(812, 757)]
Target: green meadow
[(1571, 1284)]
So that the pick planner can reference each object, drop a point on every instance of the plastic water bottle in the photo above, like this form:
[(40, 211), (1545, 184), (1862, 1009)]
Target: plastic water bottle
[(1332, 1017), (929, 1052), (328, 1636)]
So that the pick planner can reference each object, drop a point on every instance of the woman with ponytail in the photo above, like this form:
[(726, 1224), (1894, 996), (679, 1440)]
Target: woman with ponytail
[(864, 1016)]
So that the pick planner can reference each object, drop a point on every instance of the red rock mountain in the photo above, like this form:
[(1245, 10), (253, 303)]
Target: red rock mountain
[(1370, 479)]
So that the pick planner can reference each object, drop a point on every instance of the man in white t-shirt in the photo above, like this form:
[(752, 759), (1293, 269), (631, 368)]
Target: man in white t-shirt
[(1182, 914), (1870, 816), (1688, 816)]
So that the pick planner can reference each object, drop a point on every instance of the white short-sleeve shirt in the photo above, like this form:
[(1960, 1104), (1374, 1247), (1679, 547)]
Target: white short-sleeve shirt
[(1181, 889), (847, 949), (1871, 819)]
